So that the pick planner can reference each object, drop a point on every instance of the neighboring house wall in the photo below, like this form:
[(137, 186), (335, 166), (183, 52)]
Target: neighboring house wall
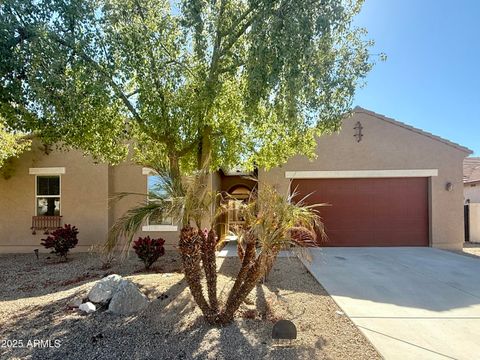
[(84, 196), (472, 195), (388, 146), (474, 224), (472, 192)]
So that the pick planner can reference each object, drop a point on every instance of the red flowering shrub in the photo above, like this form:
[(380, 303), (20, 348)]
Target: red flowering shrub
[(149, 250), (62, 240)]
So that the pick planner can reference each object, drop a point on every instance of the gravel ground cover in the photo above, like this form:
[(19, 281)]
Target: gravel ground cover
[(34, 306), (471, 249)]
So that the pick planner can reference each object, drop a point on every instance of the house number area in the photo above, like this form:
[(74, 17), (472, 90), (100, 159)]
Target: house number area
[(31, 343)]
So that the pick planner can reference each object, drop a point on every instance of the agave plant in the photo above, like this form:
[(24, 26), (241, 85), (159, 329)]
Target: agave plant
[(272, 223)]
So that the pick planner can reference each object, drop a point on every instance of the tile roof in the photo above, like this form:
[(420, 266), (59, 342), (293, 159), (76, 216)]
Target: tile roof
[(471, 169), (411, 128)]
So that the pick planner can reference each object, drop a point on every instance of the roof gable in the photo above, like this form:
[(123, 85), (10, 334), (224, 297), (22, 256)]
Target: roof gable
[(471, 169), (359, 109)]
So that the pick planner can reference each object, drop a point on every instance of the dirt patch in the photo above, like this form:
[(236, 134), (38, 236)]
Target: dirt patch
[(172, 326)]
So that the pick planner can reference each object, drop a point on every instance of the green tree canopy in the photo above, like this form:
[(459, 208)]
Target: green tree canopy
[(11, 144), (217, 81)]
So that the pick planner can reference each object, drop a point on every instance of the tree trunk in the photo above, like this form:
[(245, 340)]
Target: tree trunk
[(240, 251), (269, 263), (247, 262), (189, 244), (195, 247), (174, 165), (204, 156), (254, 274), (209, 262)]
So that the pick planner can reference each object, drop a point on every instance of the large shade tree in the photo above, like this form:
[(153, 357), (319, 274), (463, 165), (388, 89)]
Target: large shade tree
[(195, 84), (12, 144)]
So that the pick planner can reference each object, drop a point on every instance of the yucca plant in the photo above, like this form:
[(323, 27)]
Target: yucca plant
[(272, 223)]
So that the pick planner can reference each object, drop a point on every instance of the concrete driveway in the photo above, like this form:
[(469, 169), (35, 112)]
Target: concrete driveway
[(411, 303)]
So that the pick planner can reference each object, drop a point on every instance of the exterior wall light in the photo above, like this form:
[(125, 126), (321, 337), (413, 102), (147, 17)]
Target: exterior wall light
[(449, 186)]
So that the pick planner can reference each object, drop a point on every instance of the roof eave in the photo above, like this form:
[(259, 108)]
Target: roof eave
[(359, 109), (471, 182)]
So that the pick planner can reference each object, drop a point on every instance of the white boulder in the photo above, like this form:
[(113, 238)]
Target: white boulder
[(104, 289), (127, 299), (87, 307)]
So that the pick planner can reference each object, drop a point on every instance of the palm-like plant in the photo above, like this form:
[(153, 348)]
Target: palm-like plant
[(272, 223), (186, 200)]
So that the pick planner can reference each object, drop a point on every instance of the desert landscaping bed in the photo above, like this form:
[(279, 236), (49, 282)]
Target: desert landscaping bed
[(472, 249), (35, 298)]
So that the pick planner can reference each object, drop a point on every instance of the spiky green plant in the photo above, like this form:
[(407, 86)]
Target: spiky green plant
[(272, 223), (185, 200)]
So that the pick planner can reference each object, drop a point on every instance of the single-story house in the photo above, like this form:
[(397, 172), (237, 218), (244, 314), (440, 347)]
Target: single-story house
[(471, 179), (471, 189), (386, 183)]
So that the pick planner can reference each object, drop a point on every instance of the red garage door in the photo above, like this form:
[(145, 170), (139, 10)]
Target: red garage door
[(370, 212)]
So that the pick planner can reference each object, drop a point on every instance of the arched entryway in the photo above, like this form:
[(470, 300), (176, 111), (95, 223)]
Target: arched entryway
[(235, 197)]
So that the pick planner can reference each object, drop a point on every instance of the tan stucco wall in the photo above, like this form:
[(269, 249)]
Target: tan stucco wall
[(474, 214), (389, 146), (128, 177), (84, 193), (472, 192)]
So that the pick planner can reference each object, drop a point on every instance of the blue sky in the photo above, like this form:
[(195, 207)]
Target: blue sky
[(431, 79)]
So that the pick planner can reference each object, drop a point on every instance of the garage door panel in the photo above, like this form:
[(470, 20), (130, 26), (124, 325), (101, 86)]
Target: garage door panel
[(370, 212)]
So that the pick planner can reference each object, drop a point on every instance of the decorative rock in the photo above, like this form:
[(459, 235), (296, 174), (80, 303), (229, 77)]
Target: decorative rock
[(75, 303), (127, 299), (104, 289), (87, 307)]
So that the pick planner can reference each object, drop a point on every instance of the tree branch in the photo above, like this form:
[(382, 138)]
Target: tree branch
[(116, 88), (153, 67), (241, 18), (132, 93), (246, 25), (204, 143), (216, 54), (186, 149)]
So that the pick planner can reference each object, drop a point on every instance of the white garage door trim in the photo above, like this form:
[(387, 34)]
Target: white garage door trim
[(347, 174)]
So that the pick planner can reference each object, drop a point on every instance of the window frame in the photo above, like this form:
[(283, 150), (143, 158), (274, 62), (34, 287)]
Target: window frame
[(147, 227), (48, 196)]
